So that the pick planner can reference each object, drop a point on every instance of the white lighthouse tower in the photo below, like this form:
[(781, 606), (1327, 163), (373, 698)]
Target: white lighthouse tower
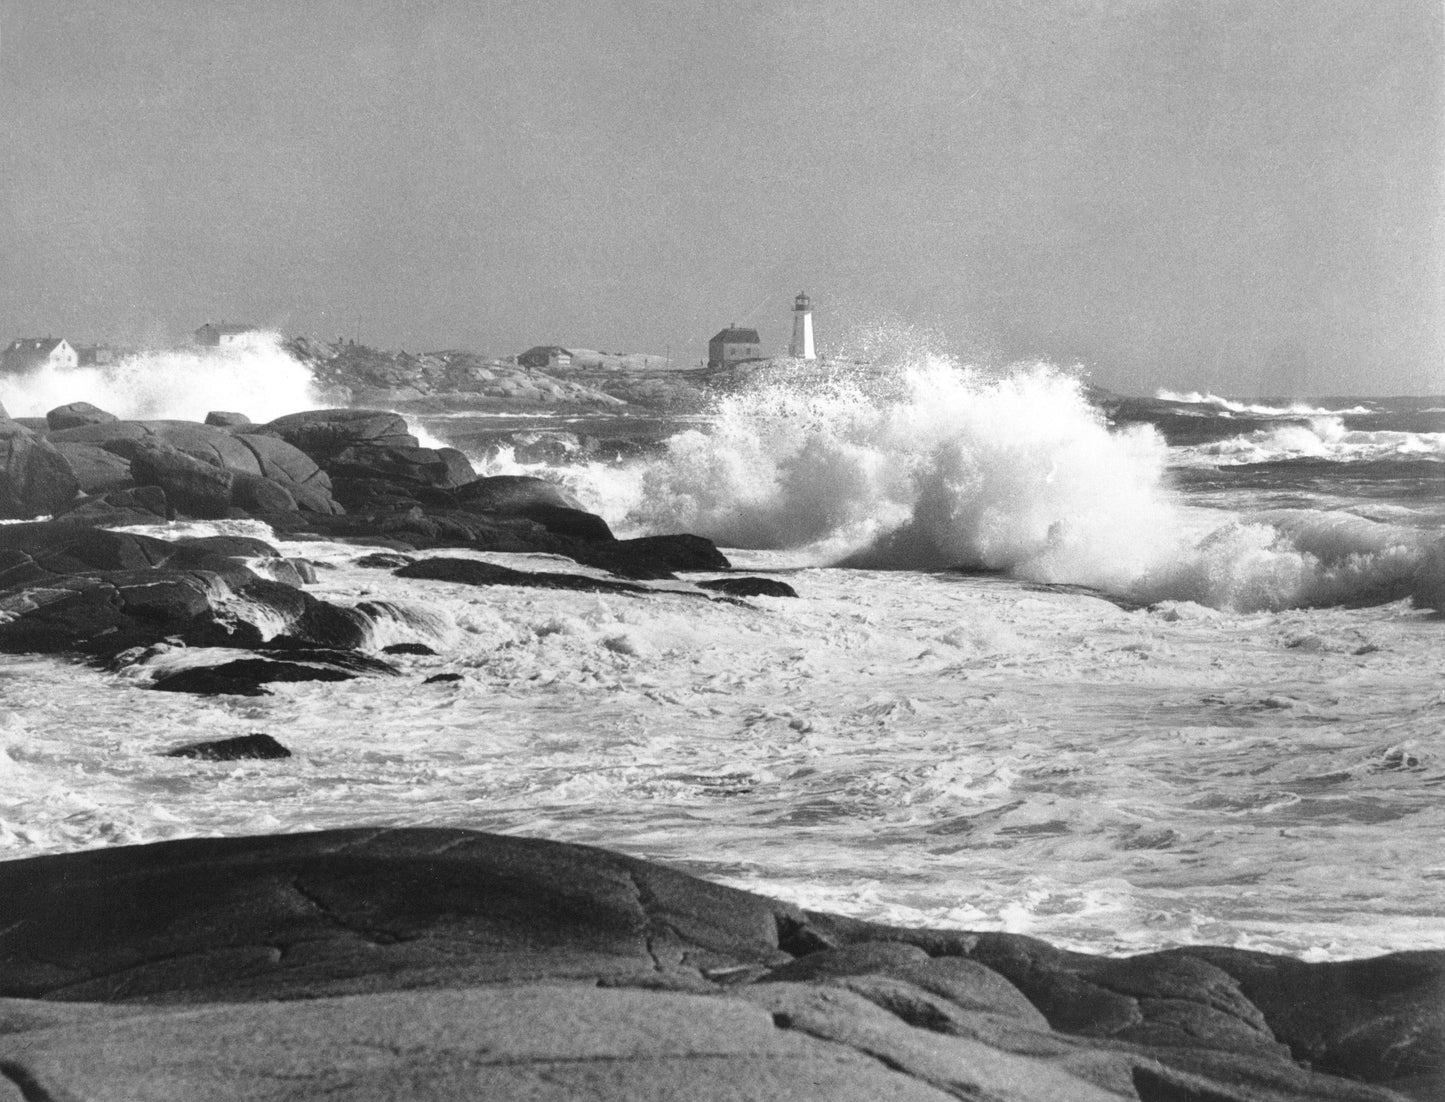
[(801, 346)]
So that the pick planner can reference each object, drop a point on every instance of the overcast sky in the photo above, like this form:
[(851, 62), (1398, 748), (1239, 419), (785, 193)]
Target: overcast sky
[(1244, 195)]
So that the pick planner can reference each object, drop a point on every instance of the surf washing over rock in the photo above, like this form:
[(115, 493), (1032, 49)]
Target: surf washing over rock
[(1050, 670), (930, 465)]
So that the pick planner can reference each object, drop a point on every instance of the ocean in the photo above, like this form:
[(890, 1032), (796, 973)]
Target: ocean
[(1122, 673)]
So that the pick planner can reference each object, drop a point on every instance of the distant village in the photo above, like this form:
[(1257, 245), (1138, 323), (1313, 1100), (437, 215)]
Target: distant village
[(729, 347)]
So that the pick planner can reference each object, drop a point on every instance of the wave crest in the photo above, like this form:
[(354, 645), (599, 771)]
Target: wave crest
[(934, 465)]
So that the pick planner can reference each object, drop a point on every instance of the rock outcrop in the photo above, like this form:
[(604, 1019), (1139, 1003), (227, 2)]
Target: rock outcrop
[(35, 478), (445, 964)]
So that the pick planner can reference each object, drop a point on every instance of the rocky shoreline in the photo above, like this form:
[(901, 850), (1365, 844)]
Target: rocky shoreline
[(443, 963), (71, 585), (447, 964)]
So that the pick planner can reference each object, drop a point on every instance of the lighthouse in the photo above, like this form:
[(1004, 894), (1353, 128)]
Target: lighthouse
[(801, 346)]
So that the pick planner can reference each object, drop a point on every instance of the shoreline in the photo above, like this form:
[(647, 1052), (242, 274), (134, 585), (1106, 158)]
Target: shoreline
[(559, 953)]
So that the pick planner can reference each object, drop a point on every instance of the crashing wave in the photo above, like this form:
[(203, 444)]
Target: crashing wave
[(929, 464), (252, 375)]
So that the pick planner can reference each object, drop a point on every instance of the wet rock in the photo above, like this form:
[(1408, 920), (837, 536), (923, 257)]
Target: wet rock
[(749, 587), (305, 570), (138, 505), (256, 746), (408, 648), (260, 496), (408, 466), (194, 487), (71, 589), (473, 572), (244, 676), (35, 478), (224, 419), (323, 433), (103, 614), (573, 523), (442, 678), (384, 560), (77, 414), (650, 556), (239, 453), (97, 470), (294, 470), (513, 494)]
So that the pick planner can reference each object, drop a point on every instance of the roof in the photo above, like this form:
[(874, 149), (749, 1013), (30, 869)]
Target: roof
[(737, 336), (40, 345)]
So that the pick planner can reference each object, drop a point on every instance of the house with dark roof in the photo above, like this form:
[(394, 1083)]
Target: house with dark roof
[(30, 353), (732, 345), (545, 356), (212, 335)]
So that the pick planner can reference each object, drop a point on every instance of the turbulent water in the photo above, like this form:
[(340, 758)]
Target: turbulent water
[(1122, 673)]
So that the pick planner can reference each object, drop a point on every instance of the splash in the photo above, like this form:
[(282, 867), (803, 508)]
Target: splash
[(922, 464), (929, 464), (254, 375)]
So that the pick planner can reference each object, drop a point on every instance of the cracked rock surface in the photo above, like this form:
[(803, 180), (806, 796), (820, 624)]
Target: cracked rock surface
[(449, 964)]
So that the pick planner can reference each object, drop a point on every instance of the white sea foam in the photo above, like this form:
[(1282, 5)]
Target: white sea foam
[(253, 375), (1321, 438), (918, 748), (1256, 409), (930, 465)]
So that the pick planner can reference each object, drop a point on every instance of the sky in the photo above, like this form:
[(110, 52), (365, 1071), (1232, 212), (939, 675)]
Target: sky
[(1243, 196)]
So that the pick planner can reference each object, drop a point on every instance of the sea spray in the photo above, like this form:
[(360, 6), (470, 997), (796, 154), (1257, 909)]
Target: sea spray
[(928, 464), (253, 375), (923, 465)]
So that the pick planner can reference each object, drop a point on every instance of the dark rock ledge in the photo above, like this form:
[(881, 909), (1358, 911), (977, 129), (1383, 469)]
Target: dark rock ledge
[(448, 964)]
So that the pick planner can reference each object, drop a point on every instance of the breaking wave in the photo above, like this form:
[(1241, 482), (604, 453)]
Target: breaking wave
[(254, 375), (1320, 438), (1233, 406), (930, 465)]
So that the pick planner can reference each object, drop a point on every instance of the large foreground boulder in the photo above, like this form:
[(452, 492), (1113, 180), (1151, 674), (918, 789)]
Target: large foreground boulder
[(449, 964)]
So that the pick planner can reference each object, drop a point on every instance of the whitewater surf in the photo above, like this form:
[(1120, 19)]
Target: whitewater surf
[(1050, 670)]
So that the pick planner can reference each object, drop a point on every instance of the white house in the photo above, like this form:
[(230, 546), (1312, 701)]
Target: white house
[(29, 353)]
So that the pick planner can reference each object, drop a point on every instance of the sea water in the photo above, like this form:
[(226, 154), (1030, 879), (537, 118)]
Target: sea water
[(1117, 687)]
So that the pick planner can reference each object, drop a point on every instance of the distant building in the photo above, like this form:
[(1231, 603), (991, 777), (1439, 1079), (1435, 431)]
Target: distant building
[(732, 345), (29, 353), (212, 335), (95, 355), (544, 356)]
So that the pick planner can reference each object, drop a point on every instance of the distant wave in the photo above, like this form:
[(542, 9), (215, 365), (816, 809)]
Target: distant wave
[(1319, 438), (1231, 405)]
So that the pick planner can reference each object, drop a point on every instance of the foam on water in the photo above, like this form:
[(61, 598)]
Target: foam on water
[(1254, 409), (927, 464), (1325, 438), (253, 375), (920, 748)]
